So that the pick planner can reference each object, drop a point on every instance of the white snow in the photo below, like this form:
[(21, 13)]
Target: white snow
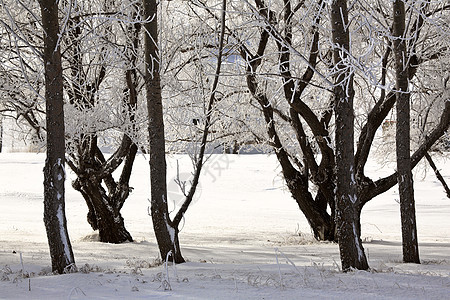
[(243, 221), (171, 231), (62, 232), (352, 174), (357, 244)]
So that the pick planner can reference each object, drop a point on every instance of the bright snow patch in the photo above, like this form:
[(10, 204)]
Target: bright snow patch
[(62, 232)]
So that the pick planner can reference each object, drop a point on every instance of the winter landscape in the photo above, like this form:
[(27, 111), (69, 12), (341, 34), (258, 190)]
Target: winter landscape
[(244, 238), (224, 149)]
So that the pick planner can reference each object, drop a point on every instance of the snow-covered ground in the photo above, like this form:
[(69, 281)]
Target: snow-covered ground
[(244, 238)]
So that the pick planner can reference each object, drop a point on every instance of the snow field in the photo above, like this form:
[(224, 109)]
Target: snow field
[(243, 221)]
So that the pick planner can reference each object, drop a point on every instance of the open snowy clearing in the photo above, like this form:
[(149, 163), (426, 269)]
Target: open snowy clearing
[(244, 238)]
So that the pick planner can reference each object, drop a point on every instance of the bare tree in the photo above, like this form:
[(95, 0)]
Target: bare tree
[(166, 229), (104, 195), (88, 76), (311, 120), (54, 173), (199, 160), (20, 65)]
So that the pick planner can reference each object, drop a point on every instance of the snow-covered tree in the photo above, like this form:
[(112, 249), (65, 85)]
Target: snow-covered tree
[(167, 228), (21, 69), (287, 53), (102, 85), (100, 58), (405, 180), (280, 77)]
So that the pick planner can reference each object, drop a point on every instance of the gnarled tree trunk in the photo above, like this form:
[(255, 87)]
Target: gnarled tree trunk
[(296, 176), (104, 210), (104, 195)]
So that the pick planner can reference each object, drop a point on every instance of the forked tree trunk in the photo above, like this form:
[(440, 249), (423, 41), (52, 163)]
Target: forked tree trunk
[(347, 213), (54, 174), (314, 209), (405, 180), (166, 233), (103, 215), (321, 223)]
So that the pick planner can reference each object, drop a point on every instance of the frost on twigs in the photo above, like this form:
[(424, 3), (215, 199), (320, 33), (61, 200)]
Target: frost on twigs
[(7, 274), (87, 268), (72, 268), (144, 264), (166, 285), (296, 238)]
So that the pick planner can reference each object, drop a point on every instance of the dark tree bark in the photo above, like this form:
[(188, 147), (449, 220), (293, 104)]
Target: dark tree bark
[(54, 174), (404, 174), (370, 189), (93, 172), (438, 174), (166, 232), (347, 214), (104, 208), (321, 222)]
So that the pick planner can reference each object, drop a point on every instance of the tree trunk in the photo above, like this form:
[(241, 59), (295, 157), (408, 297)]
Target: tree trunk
[(104, 205), (93, 173), (321, 223), (405, 180), (54, 174), (347, 214), (103, 215), (315, 210), (166, 233)]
